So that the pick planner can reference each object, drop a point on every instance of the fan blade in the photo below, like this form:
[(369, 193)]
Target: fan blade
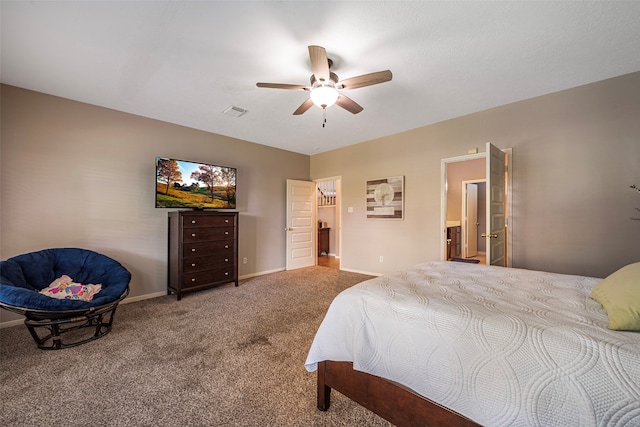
[(304, 107), (348, 104), (319, 63), (282, 86), (366, 80)]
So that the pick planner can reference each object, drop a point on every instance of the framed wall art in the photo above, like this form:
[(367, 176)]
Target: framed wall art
[(385, 198)]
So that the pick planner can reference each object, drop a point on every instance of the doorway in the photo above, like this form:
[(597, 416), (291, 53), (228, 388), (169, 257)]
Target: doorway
[(473, 219), (493, 167), (328, 217)]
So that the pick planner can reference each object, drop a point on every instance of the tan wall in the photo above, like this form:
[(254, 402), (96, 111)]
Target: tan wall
[(79, 175), (575, 154)]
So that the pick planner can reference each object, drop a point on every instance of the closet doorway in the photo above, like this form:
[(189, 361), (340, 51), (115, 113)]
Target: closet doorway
[(328, 216)]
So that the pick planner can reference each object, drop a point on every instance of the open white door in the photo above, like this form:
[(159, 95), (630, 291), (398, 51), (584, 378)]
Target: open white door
[(470, 220), (301, 224), (496, 203)]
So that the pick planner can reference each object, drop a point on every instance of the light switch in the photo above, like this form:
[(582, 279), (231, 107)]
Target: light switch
[(349, 209)]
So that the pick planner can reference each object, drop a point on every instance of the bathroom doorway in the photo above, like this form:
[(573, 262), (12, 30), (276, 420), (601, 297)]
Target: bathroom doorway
[(498, 199)]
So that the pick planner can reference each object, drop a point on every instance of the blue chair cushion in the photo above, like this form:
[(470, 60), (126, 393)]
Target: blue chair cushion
[(23, 276)]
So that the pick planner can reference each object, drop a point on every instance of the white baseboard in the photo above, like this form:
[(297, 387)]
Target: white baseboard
[(260, 273), (11, 323), (128, 300), (368, 273)]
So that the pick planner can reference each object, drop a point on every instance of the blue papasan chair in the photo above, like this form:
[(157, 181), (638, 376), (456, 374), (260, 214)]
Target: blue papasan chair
[(50, 320)]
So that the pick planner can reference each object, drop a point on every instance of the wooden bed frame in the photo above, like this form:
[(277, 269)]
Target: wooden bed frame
[(391, 401)]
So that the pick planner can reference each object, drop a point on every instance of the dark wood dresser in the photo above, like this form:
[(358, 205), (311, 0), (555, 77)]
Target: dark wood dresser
[(323, 241), (203, 250)]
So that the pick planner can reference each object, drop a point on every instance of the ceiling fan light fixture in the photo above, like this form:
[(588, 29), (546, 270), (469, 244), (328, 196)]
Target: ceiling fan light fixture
[(324, 95), (325, 84)]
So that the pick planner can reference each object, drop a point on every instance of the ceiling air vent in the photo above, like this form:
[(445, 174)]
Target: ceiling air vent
[(234, 111)]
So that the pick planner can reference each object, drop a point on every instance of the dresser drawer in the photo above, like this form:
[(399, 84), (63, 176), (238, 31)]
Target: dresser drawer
[(211, 233), (199, 249), (208, 262), (202, 278), (193, 221)]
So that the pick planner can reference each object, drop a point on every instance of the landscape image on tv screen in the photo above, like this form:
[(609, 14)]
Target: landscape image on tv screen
[(184, 184)]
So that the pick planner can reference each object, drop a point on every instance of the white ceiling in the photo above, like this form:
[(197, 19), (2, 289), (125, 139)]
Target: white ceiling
[(185, 62)]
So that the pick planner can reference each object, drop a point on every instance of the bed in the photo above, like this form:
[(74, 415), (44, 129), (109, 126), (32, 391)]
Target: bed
[(446, 343)]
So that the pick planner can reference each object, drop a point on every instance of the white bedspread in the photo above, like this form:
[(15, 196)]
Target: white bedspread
[(502, 346)]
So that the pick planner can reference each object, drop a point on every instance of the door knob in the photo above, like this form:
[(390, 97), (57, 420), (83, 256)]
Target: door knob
[(493, 236)]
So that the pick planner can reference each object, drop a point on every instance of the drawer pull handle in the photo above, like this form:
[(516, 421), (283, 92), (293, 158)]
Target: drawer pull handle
[(193, 221), (226, 220), (193, 280), (226, 246), (193, 250), (226, 232), (193, 265), (193, 234), (226, 260), (226, 273)]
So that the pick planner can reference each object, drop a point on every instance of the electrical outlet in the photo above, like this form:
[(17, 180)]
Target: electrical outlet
[(381, 258), (244, 260)]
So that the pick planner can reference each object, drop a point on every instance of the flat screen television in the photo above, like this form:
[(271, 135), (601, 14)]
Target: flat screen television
[(183, 184)]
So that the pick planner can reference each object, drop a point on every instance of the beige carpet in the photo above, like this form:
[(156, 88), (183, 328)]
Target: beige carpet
[(223, 357)]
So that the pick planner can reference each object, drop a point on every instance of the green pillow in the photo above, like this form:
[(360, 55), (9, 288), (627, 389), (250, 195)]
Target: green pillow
[(619, 294)]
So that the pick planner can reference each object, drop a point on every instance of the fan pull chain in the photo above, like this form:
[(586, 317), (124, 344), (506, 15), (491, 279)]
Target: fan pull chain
[(324, 116)]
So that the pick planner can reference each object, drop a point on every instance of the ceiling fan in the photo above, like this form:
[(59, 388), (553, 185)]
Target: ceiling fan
[(325, 85)]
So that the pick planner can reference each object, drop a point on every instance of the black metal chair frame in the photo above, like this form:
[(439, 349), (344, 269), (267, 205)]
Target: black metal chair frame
[(47, 327)]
